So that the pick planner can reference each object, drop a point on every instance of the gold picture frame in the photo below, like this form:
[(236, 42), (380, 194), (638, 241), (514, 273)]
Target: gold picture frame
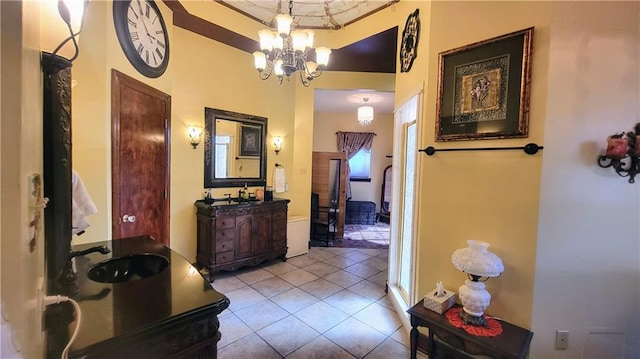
[(484, 89)]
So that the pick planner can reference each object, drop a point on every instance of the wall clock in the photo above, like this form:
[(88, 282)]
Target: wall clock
[(142, 35), (410, 38)]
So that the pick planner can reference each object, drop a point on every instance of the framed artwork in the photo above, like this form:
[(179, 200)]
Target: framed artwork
[(250, 141), (484, 88)]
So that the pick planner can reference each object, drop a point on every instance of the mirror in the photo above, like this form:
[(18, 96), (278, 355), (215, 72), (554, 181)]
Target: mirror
[(235, 151), (385, 201)]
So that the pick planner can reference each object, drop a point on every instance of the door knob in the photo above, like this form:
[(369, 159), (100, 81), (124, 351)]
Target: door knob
[(128, 218)]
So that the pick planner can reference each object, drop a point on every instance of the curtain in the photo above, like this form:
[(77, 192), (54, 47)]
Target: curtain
[(351, 143)]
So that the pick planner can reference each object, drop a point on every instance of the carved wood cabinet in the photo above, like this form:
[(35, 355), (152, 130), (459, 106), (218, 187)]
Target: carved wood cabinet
[(233, 234)]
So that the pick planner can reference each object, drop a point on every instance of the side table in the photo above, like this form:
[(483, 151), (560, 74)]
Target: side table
[(447, 341)]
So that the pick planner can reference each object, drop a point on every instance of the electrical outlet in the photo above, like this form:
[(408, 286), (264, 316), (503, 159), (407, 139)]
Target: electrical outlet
[(562, 339)]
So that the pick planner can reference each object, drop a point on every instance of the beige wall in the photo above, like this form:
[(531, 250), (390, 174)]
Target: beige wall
[(588, 234), (326, 125), (201, 73), (485, 195), (22, 270), (547, 216)]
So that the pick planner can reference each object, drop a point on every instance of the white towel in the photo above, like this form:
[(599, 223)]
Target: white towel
[(279, 180), (81, 206)]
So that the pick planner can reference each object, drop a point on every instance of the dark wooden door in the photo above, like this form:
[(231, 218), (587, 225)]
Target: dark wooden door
[(323, 169), (140, 159)]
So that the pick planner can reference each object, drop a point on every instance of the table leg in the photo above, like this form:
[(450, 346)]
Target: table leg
[(414, 341)]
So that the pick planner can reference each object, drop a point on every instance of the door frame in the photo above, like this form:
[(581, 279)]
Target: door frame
[(119, 79), (400, 303)]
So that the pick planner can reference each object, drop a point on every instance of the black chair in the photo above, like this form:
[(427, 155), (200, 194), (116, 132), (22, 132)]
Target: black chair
[(323, 221)]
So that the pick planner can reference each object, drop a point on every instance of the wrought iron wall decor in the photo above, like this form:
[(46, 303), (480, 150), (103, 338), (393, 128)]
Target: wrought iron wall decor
[(623, 154), (57, 167)]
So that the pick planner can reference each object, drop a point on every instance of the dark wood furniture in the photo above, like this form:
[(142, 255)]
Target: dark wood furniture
[(234, 234), (323, 221), (173, 314), (385, 199), (447, 341)]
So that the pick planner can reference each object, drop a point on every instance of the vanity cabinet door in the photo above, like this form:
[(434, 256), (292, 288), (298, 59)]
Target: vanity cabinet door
[(244, 236), (262, 237)]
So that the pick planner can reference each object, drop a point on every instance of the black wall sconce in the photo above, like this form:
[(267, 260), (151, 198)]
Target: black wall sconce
[(623, 154)]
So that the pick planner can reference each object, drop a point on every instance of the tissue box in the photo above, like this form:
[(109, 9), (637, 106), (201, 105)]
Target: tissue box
[(439, 304)]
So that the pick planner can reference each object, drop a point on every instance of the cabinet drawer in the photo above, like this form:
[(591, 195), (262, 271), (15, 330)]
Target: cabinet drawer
[(225, 257), (224, 246), (225, 234), (225, 222)]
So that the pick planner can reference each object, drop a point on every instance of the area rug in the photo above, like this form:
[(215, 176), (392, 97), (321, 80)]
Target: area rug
[(360, 236)]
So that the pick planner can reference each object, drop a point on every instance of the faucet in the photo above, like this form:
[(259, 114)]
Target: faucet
[(68, 275), (101, 249)]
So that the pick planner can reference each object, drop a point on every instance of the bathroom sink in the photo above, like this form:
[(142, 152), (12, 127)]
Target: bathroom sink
[(128, 268)]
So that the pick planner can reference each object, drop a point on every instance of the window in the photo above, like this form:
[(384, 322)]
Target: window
[(360, 166), (222, 156)]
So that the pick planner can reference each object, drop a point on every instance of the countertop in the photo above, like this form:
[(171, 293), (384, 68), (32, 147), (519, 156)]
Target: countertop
[(238, 203), (120, 309)]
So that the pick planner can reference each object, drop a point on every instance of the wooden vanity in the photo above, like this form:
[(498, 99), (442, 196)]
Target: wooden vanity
[(172, 314), (234, 234)]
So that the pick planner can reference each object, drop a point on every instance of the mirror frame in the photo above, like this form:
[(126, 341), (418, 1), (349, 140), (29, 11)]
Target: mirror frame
[(210, 116)]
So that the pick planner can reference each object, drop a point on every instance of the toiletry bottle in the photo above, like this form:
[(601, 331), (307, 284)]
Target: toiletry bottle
[(245, 192)]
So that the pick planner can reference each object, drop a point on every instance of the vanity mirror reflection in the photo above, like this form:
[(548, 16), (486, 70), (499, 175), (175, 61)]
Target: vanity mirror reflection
[(235, 149)]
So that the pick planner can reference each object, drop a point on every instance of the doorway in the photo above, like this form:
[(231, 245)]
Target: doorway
[(405, 195), (140, 159)]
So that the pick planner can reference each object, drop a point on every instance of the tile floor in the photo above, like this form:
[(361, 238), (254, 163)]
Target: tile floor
[(329, 303)]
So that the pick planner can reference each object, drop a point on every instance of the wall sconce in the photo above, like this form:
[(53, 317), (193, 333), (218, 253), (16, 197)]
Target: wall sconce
[(277, 144), (195, 135), (68, 9), (623, 154), (480, 265)]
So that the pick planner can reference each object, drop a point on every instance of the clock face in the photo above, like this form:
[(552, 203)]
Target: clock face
[(410, 37), (142, 35)]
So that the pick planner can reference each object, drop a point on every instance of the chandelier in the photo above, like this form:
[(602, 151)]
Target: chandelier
[(365, 113), (284, 52)]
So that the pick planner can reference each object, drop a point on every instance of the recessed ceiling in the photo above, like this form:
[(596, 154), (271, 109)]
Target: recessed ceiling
[(317, 14), (336, 101)]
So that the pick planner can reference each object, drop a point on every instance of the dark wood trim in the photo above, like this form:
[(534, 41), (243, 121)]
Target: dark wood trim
[(118, 79), (376, 53), (215, 32), (174, 5)]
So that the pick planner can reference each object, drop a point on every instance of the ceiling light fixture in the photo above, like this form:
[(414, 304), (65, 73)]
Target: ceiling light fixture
[(365, 113), (284, 52)]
